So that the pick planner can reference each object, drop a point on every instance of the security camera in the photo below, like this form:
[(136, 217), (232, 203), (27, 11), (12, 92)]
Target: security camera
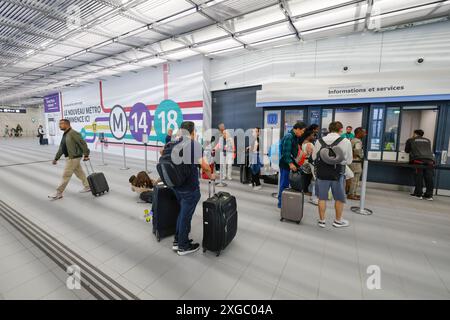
[(345, 69), (420, 60)]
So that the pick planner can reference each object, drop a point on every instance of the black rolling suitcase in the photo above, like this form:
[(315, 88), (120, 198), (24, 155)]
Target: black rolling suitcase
[(165, 208), (220, 220), (97, 181)]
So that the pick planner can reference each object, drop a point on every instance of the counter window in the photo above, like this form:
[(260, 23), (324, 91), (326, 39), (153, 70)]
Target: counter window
[(376, 129), (391, 129), (291, 117)]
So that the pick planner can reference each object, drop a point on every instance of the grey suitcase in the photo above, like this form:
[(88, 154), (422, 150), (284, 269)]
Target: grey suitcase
[(292, 205)]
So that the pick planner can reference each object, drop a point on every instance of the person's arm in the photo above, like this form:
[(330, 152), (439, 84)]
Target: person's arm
[(58, 154), (287, 153), (408, 146), (315, 150), (348, 151), (358, 151), (206, 168), (83, 145)]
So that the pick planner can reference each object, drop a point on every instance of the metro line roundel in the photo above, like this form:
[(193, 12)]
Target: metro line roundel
[(118, 122)]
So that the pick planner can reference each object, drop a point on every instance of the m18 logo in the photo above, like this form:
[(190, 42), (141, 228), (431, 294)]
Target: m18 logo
[(118, 122)]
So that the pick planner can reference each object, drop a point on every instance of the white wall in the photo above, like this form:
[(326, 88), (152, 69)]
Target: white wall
[(24, 119), (364, 54)]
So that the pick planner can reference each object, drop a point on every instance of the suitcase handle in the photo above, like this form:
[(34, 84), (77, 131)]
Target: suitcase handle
[(92, 168), (213, 183)]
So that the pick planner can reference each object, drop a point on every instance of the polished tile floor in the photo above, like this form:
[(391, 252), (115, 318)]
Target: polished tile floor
[(408, 239)]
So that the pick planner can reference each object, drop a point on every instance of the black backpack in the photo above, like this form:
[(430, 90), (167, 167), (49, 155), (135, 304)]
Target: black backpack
[(324, 170), (173, 175)]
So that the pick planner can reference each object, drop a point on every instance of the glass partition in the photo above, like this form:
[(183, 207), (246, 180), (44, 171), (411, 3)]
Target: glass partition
[(291, 117), (391, 129)]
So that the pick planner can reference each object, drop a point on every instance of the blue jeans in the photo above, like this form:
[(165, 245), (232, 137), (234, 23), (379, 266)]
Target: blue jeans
[(284, 183), (188, 201)]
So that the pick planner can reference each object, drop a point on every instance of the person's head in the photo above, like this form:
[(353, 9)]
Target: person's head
[(360, 133), (221, 127), (309, 135), (314, 127), (132, 179), (64, 124), (418, 133), (299, 128), (349, 129), (170, 132), (143, 180), (256, 131), (335, 127), (188, 129)]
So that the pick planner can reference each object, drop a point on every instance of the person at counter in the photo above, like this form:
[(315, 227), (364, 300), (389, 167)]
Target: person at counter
[(348, 133), (420, 153)]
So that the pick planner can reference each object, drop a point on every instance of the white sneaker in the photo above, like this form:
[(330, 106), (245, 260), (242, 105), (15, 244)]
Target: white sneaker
[(55, 196), (341, 224), (321, 223), (229, 179), (314, 201), (84, 190), (256, 188)]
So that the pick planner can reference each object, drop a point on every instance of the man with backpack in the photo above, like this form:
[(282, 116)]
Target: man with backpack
[(331, 154), (288, 152), (180, 173)]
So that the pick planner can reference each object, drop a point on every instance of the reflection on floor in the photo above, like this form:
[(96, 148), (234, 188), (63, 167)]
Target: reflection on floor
[(408, 239)]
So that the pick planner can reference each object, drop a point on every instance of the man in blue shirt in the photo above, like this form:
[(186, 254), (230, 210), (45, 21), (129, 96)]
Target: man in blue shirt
[(169, 135), (188, 195)]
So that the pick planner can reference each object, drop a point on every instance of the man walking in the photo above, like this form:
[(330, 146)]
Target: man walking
[(73, 147), (288, 152), (332, 175), (420, 153), (356, 165)]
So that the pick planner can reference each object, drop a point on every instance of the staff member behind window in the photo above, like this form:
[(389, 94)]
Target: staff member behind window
[(420, 153)]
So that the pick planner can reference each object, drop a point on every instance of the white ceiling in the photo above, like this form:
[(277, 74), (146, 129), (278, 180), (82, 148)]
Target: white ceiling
[(50, 44)]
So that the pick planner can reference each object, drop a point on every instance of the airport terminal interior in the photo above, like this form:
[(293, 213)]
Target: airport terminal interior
[(128, 75)]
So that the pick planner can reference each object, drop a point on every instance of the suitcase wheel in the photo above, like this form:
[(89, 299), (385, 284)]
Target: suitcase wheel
[(281, 219), (298, 222), (218, 253), (204, 250), (158, 238)]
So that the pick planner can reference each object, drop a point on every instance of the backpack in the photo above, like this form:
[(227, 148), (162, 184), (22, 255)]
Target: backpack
[(173, 175), (295, 180), (328, 163)]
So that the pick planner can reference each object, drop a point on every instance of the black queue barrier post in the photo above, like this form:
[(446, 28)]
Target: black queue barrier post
[(361, 209), (145, 141), (102, 141), (124, 158)]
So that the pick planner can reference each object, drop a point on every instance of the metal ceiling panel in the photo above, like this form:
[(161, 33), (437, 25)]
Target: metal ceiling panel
[(185, 24), (155, 10)]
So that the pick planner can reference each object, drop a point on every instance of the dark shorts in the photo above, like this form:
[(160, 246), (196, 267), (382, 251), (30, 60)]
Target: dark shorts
[(337, 189)]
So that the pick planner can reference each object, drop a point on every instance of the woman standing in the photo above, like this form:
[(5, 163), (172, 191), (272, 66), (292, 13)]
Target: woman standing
[(41, 134), (255, 160), (227, 155)]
